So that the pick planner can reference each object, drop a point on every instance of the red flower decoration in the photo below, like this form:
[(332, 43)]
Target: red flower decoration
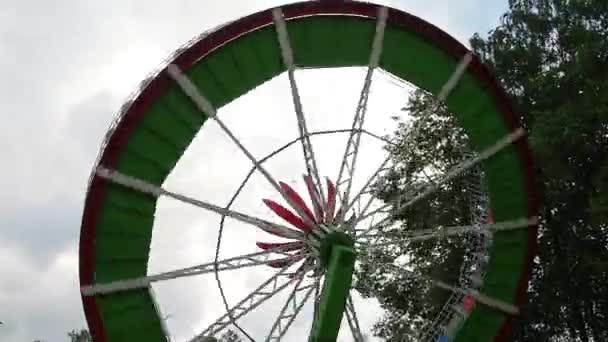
[(321, 214)]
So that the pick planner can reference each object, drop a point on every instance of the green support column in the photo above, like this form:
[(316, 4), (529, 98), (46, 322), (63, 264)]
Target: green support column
[(336, 288)]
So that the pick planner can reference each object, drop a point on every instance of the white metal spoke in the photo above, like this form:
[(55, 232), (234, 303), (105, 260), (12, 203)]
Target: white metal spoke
[(376, 136), (445, 91), (369, 182), (365, 188), (353, 322), (368, 205), (358, 210), (317, 202), (317, 297), (351, 151), (242, 261), (205, 107), (444, 232), (455, 78), (288, 61), (452, 174), (163, 319), (269, 288), (290, 310), (367, 242), (363, 211), (151, 189), (479, 297)]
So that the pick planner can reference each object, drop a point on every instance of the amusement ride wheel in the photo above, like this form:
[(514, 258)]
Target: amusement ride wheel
[(326, 232)]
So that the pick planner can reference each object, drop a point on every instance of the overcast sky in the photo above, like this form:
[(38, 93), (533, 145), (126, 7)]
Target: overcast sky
[(66, 67)]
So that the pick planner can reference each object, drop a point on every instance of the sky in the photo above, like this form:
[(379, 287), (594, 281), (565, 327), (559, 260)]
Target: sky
[(67, 66)]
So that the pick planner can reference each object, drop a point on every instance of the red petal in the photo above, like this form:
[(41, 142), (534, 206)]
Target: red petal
[(331, 201), (314, 197), (283, 246), (287, 215), (277, 232), (294, 196)]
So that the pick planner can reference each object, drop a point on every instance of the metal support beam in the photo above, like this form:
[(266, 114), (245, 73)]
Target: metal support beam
[(335, 292)]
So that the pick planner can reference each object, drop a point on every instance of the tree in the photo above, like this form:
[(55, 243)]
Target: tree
[(427, 146), (81, 335), (552, 58)]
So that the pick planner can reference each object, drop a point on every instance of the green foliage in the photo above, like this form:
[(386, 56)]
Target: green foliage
[(426, 147), (80, 336), (552, 58)]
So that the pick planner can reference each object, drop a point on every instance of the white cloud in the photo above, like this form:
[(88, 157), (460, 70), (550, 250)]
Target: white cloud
[(36, 300)]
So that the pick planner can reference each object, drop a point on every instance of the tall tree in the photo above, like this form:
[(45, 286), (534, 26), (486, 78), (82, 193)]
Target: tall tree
[(552, 58), (427, 145)]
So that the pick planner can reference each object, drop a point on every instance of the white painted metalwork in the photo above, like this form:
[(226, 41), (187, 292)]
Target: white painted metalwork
[(163, 319), (456, 76), (366, 189), (205, 106), (130, 99), (479, 297), (455, 172), (444, 232), (290, 310), (317, 297), (351, 318), (269, 288), (190, 89), (476, 242), (473, 267), (151, 189), (288, 61), (351, 151), (238, 262)]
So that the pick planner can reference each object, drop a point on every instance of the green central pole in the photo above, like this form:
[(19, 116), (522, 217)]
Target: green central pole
[(336, 287)]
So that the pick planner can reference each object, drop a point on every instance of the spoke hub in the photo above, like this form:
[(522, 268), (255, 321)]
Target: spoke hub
[(321, 228), (323, 239)]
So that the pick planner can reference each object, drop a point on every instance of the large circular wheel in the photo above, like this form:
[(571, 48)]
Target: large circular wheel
[(325, 237)]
